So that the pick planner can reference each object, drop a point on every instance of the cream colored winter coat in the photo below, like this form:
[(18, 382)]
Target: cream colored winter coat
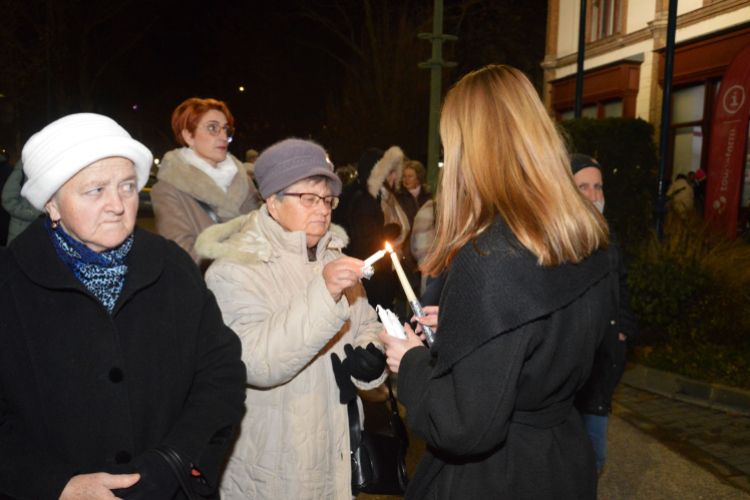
[(294, 440)]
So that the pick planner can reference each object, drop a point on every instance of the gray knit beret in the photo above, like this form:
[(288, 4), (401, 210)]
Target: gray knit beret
[(290, 161)]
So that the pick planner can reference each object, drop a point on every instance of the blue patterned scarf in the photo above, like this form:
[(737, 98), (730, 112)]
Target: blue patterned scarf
[(103, 274)]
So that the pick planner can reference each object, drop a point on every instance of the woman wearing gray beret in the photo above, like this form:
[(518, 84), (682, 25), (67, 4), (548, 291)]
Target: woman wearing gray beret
[(114, 354), (285, 287)]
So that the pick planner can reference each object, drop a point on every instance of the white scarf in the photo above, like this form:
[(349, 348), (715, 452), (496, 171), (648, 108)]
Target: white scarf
[(222, 175), (415, 192)]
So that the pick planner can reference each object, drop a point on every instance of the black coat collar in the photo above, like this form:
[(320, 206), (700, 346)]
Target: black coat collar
[(498, 286), (38, 260)]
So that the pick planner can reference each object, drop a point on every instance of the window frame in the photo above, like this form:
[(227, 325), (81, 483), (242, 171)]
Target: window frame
[(709, 100), (595, 22)]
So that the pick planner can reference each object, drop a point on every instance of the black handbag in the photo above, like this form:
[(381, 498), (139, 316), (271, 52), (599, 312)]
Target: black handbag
[(378, 461), (179, 467)]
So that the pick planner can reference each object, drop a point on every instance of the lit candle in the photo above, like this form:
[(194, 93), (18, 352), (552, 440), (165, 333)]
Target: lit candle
[(372, 259), (401, 276)]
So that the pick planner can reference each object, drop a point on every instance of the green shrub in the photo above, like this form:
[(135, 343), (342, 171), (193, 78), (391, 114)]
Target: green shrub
[(659, 288)]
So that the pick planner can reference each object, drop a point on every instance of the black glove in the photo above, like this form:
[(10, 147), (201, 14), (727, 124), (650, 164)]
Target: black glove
[(343, 379), (365, 364), (157, 482)]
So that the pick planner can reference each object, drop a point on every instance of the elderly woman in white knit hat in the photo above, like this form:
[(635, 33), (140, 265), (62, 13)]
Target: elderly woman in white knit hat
[(117, 374), (285, 287)]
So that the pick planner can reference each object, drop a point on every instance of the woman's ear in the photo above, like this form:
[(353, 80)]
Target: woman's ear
[(51, 207), (272, 210), (188, 137)]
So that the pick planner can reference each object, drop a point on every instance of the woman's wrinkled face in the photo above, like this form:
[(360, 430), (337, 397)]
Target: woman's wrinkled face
[(293, 216), (391, 178), (98, 205), (410, 180), (212, 148)]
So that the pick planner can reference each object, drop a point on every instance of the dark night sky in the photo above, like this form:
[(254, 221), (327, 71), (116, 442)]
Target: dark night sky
[(187, 48)]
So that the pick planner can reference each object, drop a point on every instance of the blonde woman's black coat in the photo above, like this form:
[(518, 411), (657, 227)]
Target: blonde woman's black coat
[(493, 399), (83, 391)]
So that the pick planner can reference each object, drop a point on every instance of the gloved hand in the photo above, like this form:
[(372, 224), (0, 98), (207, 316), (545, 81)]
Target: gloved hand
[(158, 481), (365, 364), (342, 374)]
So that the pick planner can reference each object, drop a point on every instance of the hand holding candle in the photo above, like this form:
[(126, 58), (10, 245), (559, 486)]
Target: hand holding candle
[(367, 270)]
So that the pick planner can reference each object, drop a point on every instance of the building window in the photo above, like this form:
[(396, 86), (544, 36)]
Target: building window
[(613, 109), (691, 122), (600, 110), (605, 19)]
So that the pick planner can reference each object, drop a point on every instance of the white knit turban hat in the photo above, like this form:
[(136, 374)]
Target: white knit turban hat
[(66, 146)]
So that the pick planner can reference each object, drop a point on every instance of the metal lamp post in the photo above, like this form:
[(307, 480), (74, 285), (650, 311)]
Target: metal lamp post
[(435, 64)]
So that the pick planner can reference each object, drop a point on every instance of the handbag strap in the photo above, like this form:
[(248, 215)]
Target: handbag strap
[(178, 466), (394, 403), (209, 211), (355, 426)]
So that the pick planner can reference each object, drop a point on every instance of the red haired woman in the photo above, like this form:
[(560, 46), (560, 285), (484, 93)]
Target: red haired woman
[(525, 305), (200, 184)]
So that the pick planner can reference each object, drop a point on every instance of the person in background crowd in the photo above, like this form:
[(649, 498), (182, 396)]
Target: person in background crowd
[(347, 174), (286, 288), (22, 213), (250, 157), (680, 196), (414, 189), (382, 183), (413, 195), (525, 305), (594, 400), (362, 216), (200, 184), (699, 190), (422, 237), (112, 344)]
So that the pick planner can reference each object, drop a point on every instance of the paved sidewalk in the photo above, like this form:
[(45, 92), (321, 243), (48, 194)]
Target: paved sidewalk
[(717, 440), (640, 467)]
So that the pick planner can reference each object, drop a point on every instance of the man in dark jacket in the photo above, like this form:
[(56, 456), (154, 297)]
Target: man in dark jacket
[(594, 401)]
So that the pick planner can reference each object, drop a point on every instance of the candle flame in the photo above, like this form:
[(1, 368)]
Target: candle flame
[(388, 247)]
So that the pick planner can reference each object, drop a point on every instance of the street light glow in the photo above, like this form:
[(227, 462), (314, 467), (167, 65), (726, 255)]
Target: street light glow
[(242, 89), (156, 160)]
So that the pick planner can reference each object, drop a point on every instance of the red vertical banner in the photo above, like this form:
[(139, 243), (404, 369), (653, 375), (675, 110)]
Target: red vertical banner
[(726, 156)]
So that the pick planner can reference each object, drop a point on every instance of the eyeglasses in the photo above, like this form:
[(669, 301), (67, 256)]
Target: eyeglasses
[(214, 129), (309, 200)]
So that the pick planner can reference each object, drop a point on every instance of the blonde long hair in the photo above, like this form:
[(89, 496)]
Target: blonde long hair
[(504, 155)]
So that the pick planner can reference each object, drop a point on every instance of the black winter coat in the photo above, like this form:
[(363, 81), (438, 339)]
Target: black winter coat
[(82, 390), (493, 399), (595, 397)]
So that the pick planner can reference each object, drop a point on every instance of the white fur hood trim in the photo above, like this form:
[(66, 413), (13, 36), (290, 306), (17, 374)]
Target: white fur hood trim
[(392, 159), (244, 240)]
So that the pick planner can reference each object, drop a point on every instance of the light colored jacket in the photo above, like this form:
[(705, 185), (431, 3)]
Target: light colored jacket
[(294, 440), (22, 213), (393, 213), (680, 196), (179, 217)]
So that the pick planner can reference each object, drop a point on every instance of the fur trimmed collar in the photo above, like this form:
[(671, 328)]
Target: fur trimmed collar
[(392, 159), (256, 238), (190, 180)]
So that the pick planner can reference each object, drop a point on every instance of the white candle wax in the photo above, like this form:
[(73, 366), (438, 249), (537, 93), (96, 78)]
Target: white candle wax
[(402, 277), (374, 258)]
